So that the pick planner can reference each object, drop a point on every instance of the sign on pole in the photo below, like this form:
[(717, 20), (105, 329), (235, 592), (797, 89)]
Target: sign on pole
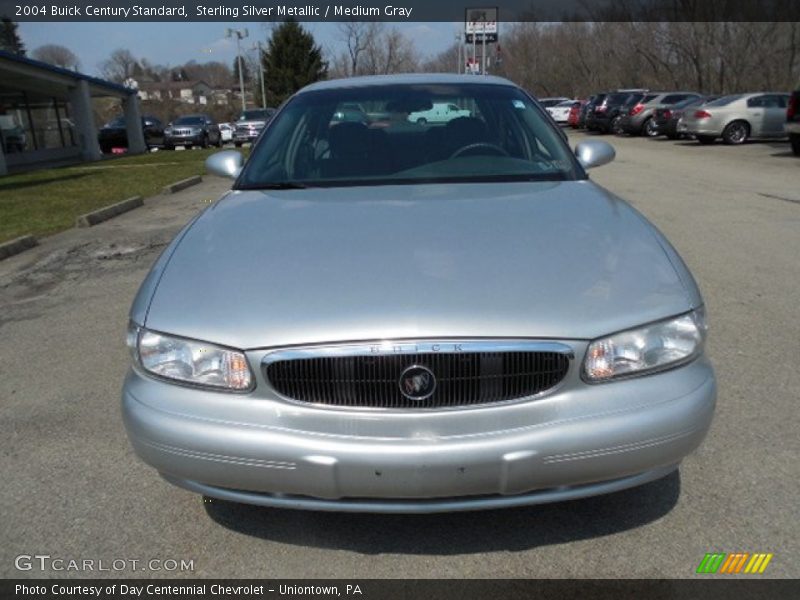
[(480, 25)]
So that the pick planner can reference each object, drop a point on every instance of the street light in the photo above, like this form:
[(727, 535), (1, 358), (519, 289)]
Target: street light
[(257, 46), (240, 35)]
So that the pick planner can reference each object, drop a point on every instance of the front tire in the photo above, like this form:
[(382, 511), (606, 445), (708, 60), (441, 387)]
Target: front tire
[(649, 128), (736, 133), (616, 125)]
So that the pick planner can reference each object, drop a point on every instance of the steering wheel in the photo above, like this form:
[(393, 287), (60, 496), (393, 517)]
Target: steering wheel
[(469, 147)]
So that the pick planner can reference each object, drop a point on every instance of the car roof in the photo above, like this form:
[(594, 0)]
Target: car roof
[(405, 79)]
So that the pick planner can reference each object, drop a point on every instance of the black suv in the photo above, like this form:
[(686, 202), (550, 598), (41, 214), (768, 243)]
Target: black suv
[(114, 134), (603, 115)]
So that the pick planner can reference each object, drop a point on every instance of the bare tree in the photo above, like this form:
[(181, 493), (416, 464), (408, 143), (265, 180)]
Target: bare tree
[(357, 36), (120, 66), (59, 56)]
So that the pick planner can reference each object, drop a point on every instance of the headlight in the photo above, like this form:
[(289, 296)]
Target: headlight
[(189, 361), (649, 348)]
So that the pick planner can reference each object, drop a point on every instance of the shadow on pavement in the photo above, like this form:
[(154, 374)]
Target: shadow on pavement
[(455, 533)]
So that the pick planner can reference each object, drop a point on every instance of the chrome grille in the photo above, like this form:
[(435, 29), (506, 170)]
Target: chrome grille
[(467, 374)]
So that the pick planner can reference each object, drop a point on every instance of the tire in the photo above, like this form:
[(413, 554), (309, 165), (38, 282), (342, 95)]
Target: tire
[(649, 128), (794, 139), (204, 142), (169, 147), (736, 133), (706, 139), (422, 121), (616, 127)]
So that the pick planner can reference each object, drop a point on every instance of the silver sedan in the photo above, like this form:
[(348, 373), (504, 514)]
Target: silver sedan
[(737, 118), (397, 317)]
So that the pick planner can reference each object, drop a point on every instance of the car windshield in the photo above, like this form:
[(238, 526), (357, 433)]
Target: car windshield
[(497, 134), (725, 100), (251, 115), (190, 121)]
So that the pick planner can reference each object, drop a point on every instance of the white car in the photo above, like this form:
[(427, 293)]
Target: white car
[(440, 112), (560, 112)]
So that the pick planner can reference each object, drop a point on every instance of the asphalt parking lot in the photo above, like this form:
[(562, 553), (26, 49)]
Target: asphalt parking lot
[(72, 487)]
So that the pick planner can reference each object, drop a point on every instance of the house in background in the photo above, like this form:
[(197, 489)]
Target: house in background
[(188, 92)]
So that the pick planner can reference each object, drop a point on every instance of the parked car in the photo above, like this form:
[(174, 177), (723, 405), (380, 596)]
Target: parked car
[(585, 109), (547, 102), (638, 118), (603, 116), (192, 130), (114, 134), (416, 319), (12, 135), (574, 118), (440, 112), (737, 118), (226, 132), (250, 125), (666, 118), (560, 112), (793, 121)]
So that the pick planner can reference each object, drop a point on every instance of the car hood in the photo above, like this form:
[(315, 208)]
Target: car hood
[(542, 260)]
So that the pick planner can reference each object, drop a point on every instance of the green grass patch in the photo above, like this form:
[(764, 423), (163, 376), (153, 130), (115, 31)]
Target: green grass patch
[(47, 201)]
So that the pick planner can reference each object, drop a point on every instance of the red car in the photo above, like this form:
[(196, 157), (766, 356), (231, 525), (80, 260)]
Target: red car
[(575, 113)]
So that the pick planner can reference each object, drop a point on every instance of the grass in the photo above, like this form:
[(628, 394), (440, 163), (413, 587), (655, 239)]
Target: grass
[(47, 201)]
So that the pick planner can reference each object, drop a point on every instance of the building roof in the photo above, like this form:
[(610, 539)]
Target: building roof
[(8, 57)]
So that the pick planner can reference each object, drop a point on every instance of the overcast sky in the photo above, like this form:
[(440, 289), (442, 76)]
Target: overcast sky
[(177, 43)]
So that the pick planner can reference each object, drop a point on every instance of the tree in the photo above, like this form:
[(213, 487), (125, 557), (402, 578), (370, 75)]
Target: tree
[(292, 60), (120, 66), (9, 38), (59, 56)]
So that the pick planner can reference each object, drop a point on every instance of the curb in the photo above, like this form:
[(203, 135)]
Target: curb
[(181, 185), (108, 212), (17, 245)]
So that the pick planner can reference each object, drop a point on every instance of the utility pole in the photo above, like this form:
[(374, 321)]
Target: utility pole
[(240, 35), (459, 43), (257, 46)]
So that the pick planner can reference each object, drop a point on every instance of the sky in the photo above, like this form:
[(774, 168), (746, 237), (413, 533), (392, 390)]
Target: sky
[(173, 44)]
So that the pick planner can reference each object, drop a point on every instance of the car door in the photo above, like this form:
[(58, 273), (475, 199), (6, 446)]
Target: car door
[(775, 114), (757, 115)]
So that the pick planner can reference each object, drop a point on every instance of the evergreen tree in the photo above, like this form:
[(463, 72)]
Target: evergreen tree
[(292, 60), (9, 38)]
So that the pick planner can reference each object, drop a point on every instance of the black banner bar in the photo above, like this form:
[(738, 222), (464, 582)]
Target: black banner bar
[(400, 10), (712, 588)]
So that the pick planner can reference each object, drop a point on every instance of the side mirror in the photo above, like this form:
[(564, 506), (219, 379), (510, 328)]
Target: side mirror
[(225, 164), (594, 153)]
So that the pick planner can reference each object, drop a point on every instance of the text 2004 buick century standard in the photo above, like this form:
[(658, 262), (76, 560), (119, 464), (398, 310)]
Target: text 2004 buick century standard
[(384, 315)]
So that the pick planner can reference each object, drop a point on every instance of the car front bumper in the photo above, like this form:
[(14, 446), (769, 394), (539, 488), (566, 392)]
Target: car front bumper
[(577, 442), (183, 140)]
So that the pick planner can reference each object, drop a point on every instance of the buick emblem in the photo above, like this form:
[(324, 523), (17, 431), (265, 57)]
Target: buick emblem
[(417, 382)]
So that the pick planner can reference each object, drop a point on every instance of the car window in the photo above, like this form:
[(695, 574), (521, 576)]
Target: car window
[(757, 102), (774, 101), (499, 134), (675, 98), (724, 100)]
